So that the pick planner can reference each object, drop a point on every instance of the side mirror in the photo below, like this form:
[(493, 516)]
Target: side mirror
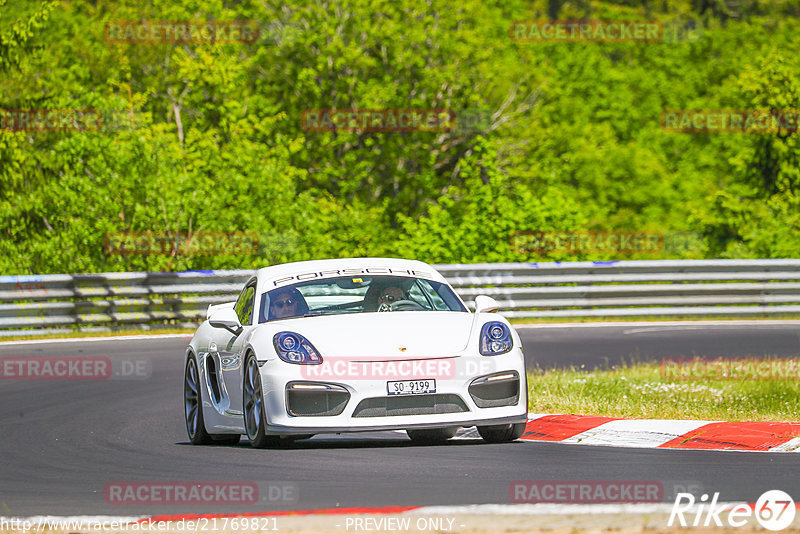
[(226, 318), (214, 308), (484, 304)]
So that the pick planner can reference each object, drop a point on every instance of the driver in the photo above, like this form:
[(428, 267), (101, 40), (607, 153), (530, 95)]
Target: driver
[(286, 302), (390, 295)]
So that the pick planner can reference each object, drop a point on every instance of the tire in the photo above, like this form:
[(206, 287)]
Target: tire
[(253, 407), (193, 410), (501, 433), (432, 435), (193, 405)]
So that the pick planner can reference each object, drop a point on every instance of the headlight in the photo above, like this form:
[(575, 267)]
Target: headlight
[(294, 348), (495, 339)]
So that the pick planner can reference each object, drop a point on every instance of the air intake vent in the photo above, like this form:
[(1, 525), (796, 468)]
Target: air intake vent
[(500, 389), (410, 405), (313, 400)]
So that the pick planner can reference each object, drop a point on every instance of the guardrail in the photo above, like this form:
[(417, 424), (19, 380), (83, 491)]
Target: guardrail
[(40, 304)]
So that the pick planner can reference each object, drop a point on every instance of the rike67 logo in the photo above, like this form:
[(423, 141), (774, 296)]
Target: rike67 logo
[(774, 510)]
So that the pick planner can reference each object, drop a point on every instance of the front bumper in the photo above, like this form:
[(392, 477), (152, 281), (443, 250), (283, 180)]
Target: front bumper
[(278, 429), (360, 405)]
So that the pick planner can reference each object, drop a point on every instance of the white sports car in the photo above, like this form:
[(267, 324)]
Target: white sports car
[(350, 345)]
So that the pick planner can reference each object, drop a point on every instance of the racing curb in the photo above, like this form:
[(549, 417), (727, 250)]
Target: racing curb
[(661, 433)]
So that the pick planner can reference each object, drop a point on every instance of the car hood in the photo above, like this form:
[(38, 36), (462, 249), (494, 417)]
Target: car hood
[(387, 335)]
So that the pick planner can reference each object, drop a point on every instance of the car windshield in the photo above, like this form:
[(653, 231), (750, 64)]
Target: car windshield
[(357, 294)]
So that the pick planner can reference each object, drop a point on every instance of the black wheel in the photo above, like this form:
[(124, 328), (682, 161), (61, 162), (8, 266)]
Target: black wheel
[(253, 402), (193, 409), (432, 435), (193, 405), (501, 433)]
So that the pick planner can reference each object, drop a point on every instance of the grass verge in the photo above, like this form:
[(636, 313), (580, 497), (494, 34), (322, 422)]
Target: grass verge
[(640, 391)]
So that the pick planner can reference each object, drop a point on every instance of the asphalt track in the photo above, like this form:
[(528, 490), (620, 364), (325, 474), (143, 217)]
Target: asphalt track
[(595, 345), (63, 442)]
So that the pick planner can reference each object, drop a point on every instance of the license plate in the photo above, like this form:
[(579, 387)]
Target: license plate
[(411, 387)]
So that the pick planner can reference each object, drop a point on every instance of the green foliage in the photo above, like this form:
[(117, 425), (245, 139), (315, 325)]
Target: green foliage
[(208, 137), (755, 210), (16, 39)]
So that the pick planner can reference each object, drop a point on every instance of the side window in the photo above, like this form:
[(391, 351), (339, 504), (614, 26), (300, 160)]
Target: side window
[(433, 297), (416, 294), (244, 306)]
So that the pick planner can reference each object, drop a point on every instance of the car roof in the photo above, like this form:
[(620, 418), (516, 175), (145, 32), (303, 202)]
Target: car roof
[(291, 273)]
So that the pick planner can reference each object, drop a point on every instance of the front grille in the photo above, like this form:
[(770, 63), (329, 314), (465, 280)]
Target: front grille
[(410, 405)]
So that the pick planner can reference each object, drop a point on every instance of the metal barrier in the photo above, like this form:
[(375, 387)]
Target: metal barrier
[(58, 303)]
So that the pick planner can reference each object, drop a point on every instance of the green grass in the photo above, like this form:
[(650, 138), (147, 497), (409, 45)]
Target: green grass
[(639, 391)]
